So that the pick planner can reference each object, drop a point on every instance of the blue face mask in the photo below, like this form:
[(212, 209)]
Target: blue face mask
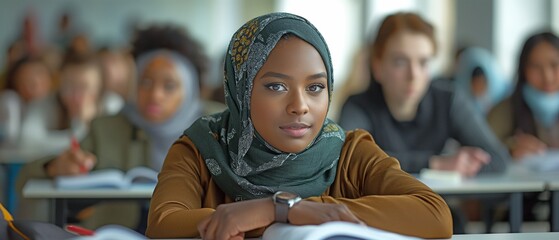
[(545, 106)]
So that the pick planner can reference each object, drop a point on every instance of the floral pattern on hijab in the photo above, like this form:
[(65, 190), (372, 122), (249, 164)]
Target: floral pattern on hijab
[(241, 162)]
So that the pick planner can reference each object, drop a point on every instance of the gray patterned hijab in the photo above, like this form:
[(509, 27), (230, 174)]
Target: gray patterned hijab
[(241, 162)]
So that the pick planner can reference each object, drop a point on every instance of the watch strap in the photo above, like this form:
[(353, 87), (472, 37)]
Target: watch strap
[(281, 212)]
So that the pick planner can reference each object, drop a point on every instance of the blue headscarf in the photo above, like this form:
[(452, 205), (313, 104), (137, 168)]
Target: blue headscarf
[(162, 135), (498, 87)]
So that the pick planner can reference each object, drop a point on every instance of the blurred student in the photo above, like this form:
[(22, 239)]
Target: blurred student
[(15, 52), (528, 121), (66, 30), (412, 118), (28, 80), (68, 112), (166, 101), (117, 68), (275, 142), (480, 77), (176, 38)]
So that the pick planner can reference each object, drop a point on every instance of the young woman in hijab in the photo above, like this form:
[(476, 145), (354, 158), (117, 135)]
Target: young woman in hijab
[(528, 121), (167, 100), (479, 75), (412, 118), (234, 172)]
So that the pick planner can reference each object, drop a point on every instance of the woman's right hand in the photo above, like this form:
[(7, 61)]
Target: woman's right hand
[(314, 213), (526, 144), (467, 161), (71, 162)]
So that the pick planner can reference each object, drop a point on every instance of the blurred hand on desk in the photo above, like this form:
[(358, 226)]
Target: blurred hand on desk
[(71, 162), (467, 161), (526, 144)]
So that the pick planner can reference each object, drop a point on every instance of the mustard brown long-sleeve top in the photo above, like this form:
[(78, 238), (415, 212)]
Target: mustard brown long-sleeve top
[(368, 181)]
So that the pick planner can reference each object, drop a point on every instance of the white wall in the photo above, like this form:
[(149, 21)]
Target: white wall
[(342, 22), (555, 16), (516, 20), (474, 23), (212, 22), (339, 23)]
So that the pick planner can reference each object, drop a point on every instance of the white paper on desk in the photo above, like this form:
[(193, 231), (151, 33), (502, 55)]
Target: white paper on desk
[(427, 174), (113, 232), (549, 161), (330, 230)]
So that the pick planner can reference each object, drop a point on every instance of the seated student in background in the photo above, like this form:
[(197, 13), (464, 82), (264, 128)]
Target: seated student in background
[(118, 71), (50, 123), (218, 179), (28, 80), (410, 118), (176, 38), (481, 78), (528, 121), (166, 101)]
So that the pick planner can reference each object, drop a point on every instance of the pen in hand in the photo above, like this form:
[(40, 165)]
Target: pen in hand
[(75, 146)]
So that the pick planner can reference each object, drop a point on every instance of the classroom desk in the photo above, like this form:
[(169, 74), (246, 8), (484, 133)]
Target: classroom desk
[(489, 184), (485, 184), (508, 236), (490, 236), (553, 187), (45, 189), (13, 159), (551, 178)]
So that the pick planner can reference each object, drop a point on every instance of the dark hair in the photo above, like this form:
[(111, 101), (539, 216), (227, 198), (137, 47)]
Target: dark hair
[(398, 22), (522, 115), (174, 38), (77, 59), (477, 72), (17, 66)]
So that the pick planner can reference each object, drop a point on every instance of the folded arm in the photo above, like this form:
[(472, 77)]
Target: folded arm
[(380, 194)]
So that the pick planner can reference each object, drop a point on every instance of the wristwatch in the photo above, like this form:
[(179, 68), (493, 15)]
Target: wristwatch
[(283, 202)]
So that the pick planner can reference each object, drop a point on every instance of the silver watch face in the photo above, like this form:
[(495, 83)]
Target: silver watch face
[(286, 196)]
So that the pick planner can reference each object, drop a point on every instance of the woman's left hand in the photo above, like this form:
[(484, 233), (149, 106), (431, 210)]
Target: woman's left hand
[(232, 220)]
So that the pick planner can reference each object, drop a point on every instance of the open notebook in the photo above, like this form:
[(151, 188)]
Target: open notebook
[(108, 178), (548, 161), (330, 231)]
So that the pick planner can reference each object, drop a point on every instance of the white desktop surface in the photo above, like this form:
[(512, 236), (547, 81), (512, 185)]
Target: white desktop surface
[(44, 188), (491, 183), (492, 236), (508, 236)]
